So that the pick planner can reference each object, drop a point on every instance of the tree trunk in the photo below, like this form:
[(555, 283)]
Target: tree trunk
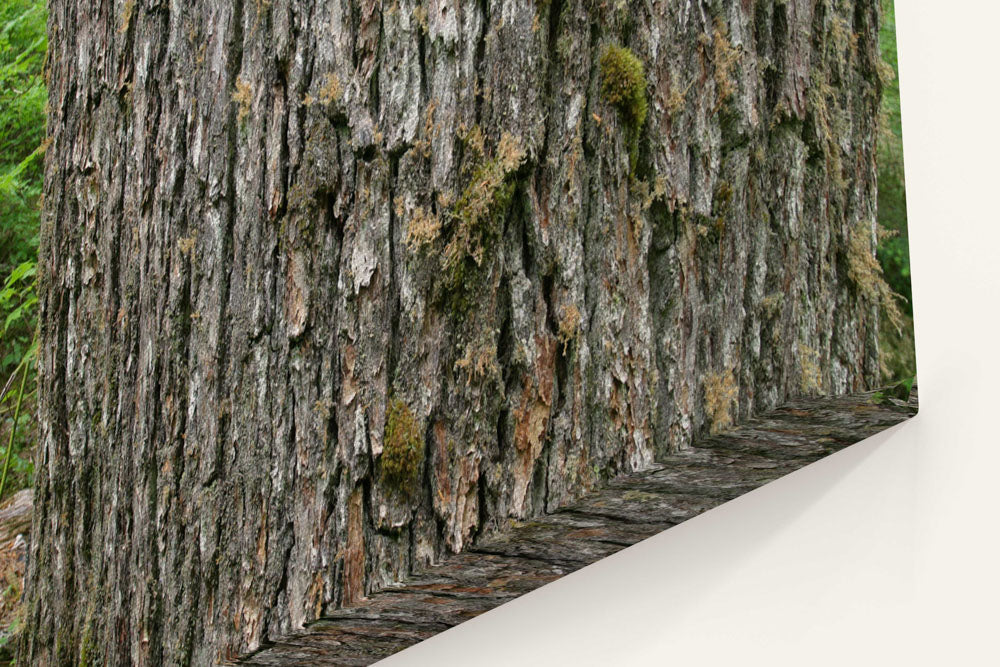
[(331, 288)]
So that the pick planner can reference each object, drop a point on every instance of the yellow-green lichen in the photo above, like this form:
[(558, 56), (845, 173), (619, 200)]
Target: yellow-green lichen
[(725, 57), (243, 97), (811, 377), (402, 447), (476, 218), (865, 272), (128, 10), (569, 325), (721, 393), (623, 85)]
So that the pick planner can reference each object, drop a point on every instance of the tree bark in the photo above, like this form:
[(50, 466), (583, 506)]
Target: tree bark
[(331, 288)]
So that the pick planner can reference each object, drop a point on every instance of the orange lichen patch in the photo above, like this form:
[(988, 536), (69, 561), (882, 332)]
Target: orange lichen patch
[(531, 420), (262, 541), (431, 130), (456, 487), (314, 596), (354, 553), (296, 295), (331, 90), (349, 385), (442, 481)]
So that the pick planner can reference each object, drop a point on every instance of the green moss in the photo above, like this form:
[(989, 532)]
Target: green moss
[(623, 85), (87, 649), (402, 448), (476, 221), (723, 194)]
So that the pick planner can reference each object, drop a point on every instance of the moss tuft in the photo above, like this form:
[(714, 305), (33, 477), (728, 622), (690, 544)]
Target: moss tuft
[(623, 85), (402, 448)]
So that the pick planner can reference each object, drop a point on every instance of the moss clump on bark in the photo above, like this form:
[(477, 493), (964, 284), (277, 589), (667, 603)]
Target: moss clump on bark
[(403, 447), (623, 85), (477, 217)]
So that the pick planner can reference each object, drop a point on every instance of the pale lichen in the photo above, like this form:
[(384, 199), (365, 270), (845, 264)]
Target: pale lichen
[(479, 361), (330, 92)]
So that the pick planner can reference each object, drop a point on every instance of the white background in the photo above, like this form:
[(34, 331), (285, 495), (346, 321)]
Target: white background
[(887, 553)]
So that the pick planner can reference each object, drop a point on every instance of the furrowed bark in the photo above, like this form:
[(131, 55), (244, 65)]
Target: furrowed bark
[(330, 289)]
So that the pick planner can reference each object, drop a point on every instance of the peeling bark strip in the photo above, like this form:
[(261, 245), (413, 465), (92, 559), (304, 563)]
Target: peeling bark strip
[(630, 509), (268, 223)]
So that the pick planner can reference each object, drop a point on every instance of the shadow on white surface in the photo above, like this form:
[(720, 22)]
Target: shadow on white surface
[(706, 588)]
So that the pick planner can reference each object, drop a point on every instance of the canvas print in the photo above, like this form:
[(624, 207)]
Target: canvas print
[(330, 324)]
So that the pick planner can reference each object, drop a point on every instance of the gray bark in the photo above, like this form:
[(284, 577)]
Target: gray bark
[(270, 225)]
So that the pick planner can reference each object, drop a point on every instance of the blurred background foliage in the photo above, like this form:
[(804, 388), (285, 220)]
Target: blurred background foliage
[(898, 357), (22, 135)]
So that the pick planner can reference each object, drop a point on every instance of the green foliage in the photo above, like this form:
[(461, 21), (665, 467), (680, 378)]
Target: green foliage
[(402, 448), (22, 128), (893, 250), (898, 356), (22, 134), (900, 391), (623, 85)]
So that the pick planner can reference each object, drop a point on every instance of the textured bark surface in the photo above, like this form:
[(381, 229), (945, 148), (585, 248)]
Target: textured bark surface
[(268, 226), (628, 510)]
